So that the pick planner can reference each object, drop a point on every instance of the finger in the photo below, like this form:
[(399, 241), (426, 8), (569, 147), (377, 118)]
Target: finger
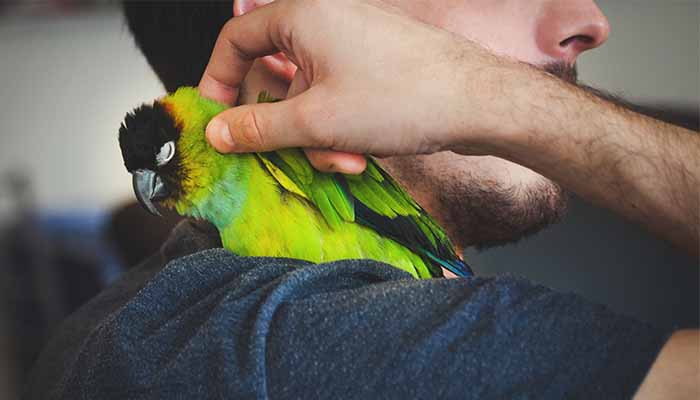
[(261, 127), (241, 41), (327, 160), (336, 161)]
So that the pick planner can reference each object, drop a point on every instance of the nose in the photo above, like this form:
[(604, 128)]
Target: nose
[(567, 28)]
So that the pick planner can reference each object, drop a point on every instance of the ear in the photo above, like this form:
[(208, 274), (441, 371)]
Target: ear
[(277, 64)]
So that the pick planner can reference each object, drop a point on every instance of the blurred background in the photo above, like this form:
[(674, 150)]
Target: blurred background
[(69, 71)]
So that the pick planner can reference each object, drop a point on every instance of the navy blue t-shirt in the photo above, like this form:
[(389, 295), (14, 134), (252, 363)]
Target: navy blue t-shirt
[(198, 322)]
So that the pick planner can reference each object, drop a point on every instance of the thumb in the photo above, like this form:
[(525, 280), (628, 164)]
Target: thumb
[(259, 127)]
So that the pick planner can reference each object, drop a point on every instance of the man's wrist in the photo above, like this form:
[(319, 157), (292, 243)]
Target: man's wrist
[(510, 107)]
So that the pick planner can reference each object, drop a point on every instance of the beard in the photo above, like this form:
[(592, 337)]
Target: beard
[(499, 214), (477, 206)]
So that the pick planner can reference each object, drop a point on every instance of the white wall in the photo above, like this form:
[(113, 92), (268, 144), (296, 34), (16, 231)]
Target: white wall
[(66, 84)]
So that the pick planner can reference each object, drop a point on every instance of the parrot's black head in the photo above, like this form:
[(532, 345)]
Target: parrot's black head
[(148, 138)]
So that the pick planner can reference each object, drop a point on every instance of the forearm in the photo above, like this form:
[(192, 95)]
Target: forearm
[(644, 169), (389, 99)]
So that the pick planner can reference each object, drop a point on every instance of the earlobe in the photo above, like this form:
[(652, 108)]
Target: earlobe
[(277, 64)]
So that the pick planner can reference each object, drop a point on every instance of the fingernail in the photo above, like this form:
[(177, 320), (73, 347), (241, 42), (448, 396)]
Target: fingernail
[(218, 130), (351, 165)]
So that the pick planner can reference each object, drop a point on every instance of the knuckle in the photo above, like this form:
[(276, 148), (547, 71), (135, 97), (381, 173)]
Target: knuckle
[(228, 30), (228, 26), (250, 130)]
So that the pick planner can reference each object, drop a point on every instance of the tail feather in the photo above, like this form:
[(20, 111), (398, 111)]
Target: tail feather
[(457, 267)]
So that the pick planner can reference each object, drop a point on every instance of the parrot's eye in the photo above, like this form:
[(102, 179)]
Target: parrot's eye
[(165, 154)]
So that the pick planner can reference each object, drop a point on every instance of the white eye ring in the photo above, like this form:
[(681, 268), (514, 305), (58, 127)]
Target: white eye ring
[(165, 154)]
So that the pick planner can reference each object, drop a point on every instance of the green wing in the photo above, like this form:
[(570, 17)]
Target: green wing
[(293, 172), (372, 199)]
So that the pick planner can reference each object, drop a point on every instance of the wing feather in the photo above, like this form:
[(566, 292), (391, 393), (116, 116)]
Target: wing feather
[(373, 199)]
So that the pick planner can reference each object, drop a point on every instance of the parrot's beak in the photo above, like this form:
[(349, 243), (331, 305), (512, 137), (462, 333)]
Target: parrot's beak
[(148, 188)]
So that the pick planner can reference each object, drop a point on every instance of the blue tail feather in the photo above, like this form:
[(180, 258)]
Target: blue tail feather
[(457, 267)]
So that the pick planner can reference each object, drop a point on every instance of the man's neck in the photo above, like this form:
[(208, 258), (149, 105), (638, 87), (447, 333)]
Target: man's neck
[(259, 79)]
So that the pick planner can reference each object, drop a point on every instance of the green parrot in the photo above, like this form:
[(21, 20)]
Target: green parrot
[(275, 204)]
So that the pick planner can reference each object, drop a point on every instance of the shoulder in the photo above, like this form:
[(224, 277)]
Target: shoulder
[(199, 307), (213, 324)]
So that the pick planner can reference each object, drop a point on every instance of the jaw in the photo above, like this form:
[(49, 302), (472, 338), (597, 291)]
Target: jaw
[(480, 201)]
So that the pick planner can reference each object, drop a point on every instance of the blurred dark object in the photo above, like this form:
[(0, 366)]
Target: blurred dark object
[(177, 37), (51, 264), (136, 234), (46, 280)]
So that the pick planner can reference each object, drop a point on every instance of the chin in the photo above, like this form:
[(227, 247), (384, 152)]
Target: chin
[(480, 201)]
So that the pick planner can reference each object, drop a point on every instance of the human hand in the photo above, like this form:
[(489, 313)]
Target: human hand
[(369, 81)]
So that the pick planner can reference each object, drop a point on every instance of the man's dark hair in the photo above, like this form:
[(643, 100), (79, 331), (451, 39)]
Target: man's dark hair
[(177, 37)]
